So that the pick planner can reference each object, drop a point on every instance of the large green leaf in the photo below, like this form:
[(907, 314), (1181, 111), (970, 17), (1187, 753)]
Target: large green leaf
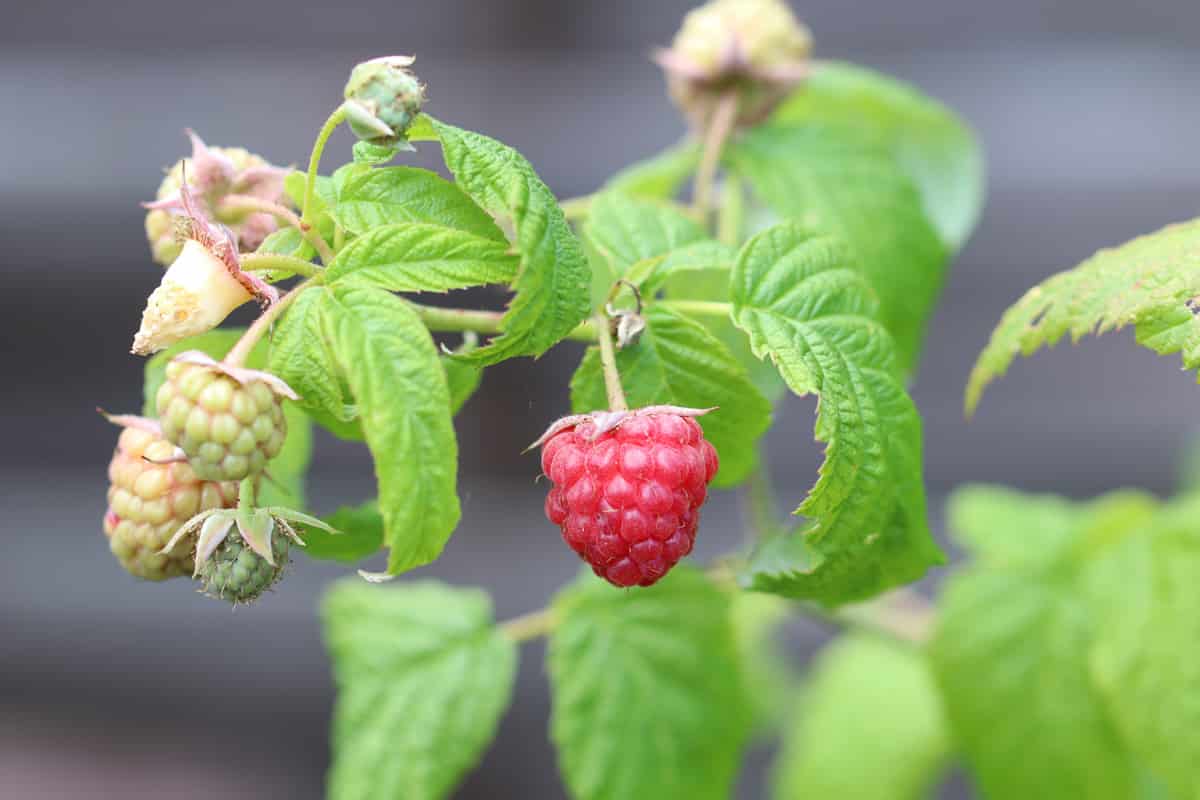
[(553, 284), (1011, 654), (805, 305), (423, 677), (647, 697), (1147, 656), (931, 145), (626, 229), (1007, 528), (391, 367), (301, 354), (419, 257), (677, 362), (1146, 282), (871, 727), (370, 198), (837, 181)]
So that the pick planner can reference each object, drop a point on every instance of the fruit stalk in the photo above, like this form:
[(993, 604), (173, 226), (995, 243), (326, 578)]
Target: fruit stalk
[(608, 359), (241, 351), (720, 125), (314, 161)]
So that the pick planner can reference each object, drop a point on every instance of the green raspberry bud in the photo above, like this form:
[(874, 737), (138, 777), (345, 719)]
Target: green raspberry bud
[(227, 420), (237, 574), (383, 98), (756, 48), (153, 492)]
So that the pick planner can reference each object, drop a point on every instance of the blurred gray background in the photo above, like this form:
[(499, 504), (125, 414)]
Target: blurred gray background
[(111, 689)]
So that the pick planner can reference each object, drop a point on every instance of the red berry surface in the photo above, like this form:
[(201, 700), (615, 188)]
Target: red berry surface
[(628, 500)]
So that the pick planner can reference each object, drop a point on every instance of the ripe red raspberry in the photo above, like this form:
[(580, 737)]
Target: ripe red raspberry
[(628, 487)]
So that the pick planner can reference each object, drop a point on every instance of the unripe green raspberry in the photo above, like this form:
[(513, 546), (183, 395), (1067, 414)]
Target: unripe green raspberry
[(151, 495), (228, 421), (388, 92), (237, 574)]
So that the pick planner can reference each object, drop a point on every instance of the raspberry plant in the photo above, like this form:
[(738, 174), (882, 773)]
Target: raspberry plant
[(794, 242)]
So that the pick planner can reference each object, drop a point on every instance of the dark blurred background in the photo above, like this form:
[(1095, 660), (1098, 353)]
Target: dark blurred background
[(111, 689)]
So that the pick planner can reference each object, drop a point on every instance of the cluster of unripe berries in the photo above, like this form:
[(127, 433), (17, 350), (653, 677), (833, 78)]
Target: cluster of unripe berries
[(218, 425)]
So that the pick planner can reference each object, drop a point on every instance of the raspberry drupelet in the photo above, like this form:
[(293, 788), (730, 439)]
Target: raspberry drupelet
[(628, 487)]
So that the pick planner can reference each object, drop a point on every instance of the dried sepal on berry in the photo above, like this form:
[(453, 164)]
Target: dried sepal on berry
[(228, 420), (241, 553), (201, 288), (756, 48), (628, 487), (215, 175), (152, 492)]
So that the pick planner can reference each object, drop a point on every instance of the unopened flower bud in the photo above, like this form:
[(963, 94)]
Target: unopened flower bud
[(383, 98), (216, 177), (197, 293), (756, 48)]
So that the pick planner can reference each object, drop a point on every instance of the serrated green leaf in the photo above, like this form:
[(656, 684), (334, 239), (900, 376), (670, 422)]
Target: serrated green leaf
[(933, 147), (1145, 282), (418, 257), (1144, 659), (301, 354), (804, 304), (554, 281), (871, 726), (372, 154), (371, 198), (646, 695), (626, 229), (423, 677), (1011, 656), (677, 362), (359, 535), (390, 365), (661, 175), (836, 181)]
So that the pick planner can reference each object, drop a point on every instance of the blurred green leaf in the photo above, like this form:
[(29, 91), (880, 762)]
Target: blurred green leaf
[(423, 677), (647, 700), (871, 726)]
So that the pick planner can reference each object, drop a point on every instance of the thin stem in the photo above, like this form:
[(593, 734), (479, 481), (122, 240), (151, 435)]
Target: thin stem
[(241, 351), (465, 319), (277, 262), (530, 626), (608, 359), (284, 214), (700, 308), (732, 211), (720, 125), (314, 161)]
